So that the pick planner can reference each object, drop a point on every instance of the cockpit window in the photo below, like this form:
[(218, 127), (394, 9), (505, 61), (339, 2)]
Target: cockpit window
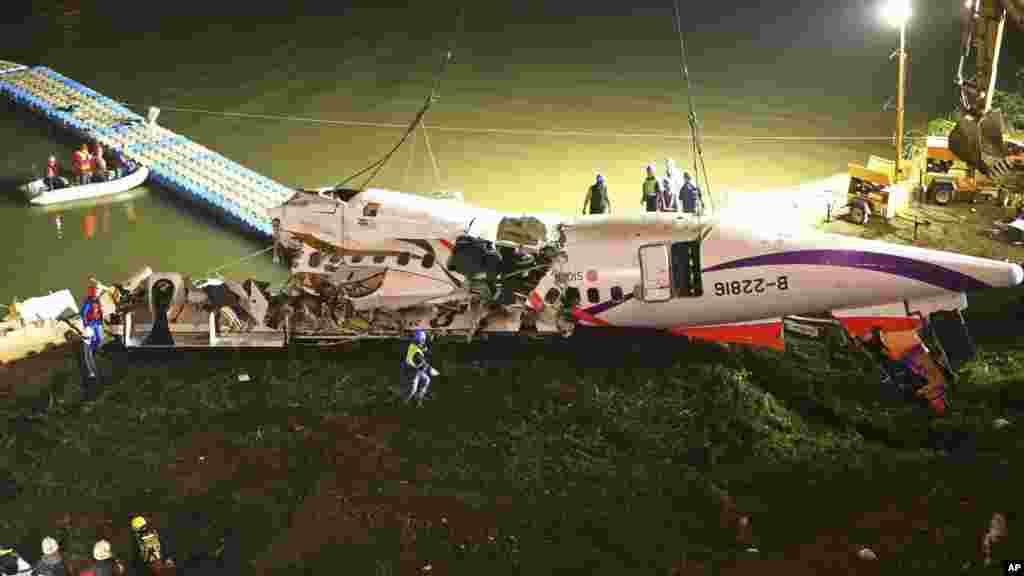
[(371, 209), (379, 258)]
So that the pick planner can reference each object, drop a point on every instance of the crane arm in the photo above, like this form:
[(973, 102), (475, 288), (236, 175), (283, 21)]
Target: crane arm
[(978, 136)]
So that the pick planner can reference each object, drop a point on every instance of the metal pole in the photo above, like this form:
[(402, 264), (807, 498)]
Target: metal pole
[(899, 100)]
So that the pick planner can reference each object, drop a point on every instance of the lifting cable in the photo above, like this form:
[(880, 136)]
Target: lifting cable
[(528, 132), (433, 97), (697, 150)]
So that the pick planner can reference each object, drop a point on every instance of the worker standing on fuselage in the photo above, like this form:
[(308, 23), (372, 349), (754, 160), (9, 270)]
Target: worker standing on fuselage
[(689, 196), (597, 198), (652, 190)]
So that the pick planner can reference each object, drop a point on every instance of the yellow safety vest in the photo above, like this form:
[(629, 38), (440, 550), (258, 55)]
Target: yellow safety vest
[(410, 354), (149, 545)]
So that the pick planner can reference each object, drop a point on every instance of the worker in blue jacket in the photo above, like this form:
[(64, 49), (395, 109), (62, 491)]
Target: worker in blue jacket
[(92, 318), (416, 367)]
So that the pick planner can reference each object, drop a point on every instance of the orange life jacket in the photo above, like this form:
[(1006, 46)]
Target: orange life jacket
[(78, 159)]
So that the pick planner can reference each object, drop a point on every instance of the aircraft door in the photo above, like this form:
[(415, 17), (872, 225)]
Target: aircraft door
[(655, 273)]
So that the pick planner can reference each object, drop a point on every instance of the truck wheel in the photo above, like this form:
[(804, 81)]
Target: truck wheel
[(859, 213), (943, 196)]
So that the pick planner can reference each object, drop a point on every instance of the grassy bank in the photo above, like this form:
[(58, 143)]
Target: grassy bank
[(580, 456)]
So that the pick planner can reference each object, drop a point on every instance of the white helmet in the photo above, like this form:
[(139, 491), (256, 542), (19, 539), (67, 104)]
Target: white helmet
[(50, 546), (101, 551)]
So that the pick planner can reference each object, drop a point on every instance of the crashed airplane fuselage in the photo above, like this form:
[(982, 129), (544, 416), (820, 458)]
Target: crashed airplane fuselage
[(380, 261)]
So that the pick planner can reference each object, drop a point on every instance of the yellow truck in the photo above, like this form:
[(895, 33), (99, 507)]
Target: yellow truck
[(873, 193)]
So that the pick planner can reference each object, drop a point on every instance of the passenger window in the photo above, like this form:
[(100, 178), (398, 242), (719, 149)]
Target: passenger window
[(379, 259), (371, 209), (314, 260), (572, 296), (357, 258), (552, 296), (403, 259), (428, 260), (593, 295), (617, 293)]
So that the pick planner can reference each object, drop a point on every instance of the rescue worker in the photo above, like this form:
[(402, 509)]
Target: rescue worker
[(597, 198), (86, 164), (92, 318), (652, 190), (668, 199), (51, 564), (100, 163), (79, 163), (148, 557), (52, 179), (690, 196), (417, 367), (12, 563), (122, 164), (105, 564)]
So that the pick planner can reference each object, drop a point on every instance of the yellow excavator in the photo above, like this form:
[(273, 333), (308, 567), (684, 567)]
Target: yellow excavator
[(977, 138)]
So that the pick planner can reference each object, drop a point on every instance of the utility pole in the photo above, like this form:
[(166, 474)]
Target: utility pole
[(899, 97)]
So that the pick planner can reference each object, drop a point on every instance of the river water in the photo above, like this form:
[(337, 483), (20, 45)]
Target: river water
[(598, 103)]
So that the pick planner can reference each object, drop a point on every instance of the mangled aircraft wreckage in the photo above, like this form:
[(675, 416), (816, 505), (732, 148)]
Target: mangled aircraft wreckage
[(379, 263)]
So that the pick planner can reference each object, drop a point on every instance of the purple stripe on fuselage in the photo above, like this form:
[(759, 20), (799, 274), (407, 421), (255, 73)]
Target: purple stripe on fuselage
[(887, 263), (603, 306)]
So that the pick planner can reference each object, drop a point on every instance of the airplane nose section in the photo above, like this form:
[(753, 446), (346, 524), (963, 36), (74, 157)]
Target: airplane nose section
[(1016, 275)]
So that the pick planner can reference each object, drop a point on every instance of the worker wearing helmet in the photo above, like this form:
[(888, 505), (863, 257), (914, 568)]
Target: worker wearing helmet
[(92, 318), (52, 179), (105, 564), (149, 556), (651, 190), (416, 367), (51, 564), (597, 198)]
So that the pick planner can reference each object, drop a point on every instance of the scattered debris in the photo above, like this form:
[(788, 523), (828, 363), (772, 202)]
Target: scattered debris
[(996, 534), (866, 554), (243, 377), (1000, 423)]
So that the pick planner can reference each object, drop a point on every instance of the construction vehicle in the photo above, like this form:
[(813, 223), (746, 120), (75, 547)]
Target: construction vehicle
[(977, 138), (872, 192), (946, 178)]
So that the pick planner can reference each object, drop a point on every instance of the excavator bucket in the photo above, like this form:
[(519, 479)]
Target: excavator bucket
[(979, 143)]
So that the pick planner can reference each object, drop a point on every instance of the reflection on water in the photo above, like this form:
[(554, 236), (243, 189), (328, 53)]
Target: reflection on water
[(101, 216), (89, 224)]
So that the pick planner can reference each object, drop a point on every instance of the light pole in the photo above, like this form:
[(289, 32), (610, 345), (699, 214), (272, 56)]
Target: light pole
[(896, 13)]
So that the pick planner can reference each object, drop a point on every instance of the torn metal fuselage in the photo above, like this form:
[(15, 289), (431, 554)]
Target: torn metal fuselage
[(373, 264)]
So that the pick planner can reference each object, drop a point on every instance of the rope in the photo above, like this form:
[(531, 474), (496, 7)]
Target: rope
[(430, 153), (538, 132), (239, 261), (698, 153), (408, 167), (433, 97)]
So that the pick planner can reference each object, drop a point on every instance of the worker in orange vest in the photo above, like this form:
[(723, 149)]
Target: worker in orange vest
[(82, 161)]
